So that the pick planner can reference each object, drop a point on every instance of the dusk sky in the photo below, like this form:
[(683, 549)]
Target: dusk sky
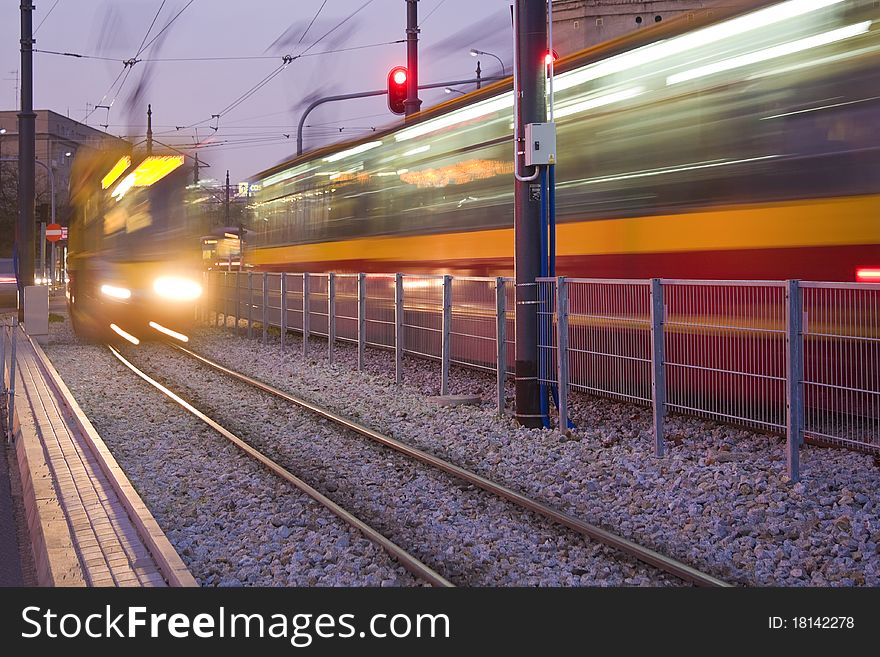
[(250, 136)]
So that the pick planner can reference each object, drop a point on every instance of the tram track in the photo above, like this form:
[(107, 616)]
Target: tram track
[(625, 546), (407, 560)]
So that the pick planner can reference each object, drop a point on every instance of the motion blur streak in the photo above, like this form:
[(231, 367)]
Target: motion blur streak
[(127, 336), (169, 332)]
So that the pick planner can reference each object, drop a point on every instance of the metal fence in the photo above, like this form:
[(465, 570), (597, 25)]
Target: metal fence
[(7, 371), (797, 358)]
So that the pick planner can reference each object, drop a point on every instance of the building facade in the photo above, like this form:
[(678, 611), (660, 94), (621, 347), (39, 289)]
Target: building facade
[(579, 24), (58, 138)]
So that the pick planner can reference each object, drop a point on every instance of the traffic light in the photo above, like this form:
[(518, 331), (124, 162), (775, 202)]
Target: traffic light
[(397, 78), (550, 57)]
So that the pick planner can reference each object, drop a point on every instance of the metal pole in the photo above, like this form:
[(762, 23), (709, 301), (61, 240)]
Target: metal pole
[(11, 398), (24, 234), (149, 130), (306, 314), (250, 305), (283, 305), (331, 315), (52, 256), (367, 94), (237, 301), (531, 39), (227, 218), (479, 71), (42, 268), (362, 320), (447, 329), (794, 357), (2, 358), (658, 364), (265, 306), (413, 103), (501, 339), (398, 328), (562, 350)]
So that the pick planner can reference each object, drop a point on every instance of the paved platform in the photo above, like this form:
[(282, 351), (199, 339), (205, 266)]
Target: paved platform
[(87, 524)]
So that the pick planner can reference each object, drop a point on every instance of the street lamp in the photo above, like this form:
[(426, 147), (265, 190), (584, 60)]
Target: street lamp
[(450, 90), (475, 52)]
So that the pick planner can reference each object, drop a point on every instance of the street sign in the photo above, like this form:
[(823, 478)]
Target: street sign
[(64, 232), (53, 232)]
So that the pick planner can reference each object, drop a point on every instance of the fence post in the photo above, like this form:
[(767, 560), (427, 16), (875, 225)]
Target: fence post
[(658, 364), (2, 358), (265, 306), (445, 347), (250, 305), (398, 328), (501, 339), (283, 305), (362, 320), (794, 370), (225, 298), (306, 313), (237, 301), (331, 316), (11, 398), (562, 350)]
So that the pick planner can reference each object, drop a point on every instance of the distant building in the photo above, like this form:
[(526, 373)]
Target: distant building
[(58, 138), (579, 24)]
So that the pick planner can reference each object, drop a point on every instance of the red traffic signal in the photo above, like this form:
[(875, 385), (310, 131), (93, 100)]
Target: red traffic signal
[(550, 57), (397, 78)]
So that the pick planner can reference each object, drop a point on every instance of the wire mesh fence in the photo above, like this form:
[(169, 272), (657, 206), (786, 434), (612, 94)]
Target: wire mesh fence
[(782, 356), (841, 330), (725, 350)]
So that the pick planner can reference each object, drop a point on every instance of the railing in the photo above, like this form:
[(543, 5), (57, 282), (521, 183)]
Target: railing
[(802, 359), (7, 372)]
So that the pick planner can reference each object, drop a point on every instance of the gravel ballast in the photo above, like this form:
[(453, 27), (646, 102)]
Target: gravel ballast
[(471, 537), (719, 500), (232, 522)]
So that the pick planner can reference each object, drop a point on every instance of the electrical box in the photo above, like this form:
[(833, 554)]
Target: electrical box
[(540, 143)]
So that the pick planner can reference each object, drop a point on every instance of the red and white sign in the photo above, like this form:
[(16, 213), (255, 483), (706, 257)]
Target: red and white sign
[(53, 232), (64, 232)]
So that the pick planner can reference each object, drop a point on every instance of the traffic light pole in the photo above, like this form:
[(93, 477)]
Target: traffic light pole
[(24, 234), (530, 21), (413, 103), (367, 94)]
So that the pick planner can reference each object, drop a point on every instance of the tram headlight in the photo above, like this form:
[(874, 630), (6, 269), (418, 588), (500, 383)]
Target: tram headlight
[(116, 292), (175, 288)]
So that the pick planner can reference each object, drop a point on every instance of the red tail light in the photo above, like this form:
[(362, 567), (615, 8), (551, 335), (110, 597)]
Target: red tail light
[(868, 275)]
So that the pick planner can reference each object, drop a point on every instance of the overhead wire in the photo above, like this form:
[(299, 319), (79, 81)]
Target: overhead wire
[(216, 59), (431, 13), (314, 18), (49, 13), (167, 25), (150, 29), (337, 26)]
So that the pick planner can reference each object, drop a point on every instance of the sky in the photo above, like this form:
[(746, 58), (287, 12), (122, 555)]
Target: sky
[(250, 135)]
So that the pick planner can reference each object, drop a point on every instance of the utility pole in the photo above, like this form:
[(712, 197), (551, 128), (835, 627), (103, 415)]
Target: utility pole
[(531, 42), (149, 130), (24, 235), (413, 103), (227, 197), (196, 170), (479, 79)]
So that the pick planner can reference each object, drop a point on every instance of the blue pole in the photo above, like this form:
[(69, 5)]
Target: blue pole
[(551, 219), (543, 328)]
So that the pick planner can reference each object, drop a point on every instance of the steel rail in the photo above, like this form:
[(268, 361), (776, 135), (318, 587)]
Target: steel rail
[(639, 552), (408, 561)]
